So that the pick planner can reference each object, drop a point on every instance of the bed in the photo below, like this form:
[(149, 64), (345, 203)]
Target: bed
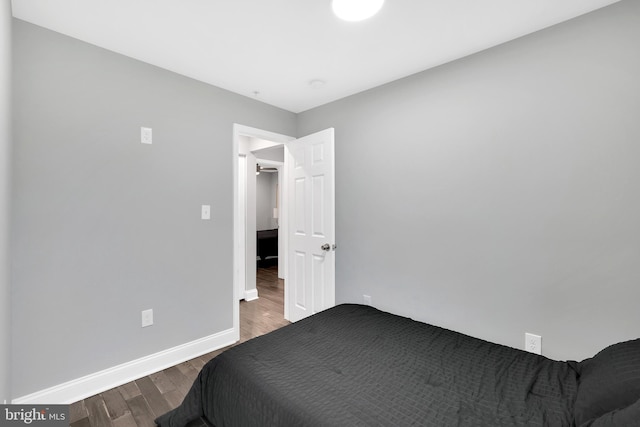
[(353, 365)]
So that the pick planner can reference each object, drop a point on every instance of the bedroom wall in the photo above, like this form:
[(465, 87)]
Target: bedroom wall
[(5, 175), (106, 226), (266, 184), (500, 194)]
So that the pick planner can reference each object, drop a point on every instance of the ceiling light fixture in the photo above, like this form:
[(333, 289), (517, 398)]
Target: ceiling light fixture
[(317, 83), (356, 10)]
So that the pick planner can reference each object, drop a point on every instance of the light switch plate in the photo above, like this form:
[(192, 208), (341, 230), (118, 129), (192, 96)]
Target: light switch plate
[(206, 212), (147, 318)]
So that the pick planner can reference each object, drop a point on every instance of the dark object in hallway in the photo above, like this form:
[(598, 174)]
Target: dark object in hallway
[(267, 248)]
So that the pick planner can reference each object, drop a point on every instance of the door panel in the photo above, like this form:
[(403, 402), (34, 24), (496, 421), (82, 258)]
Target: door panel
[(312, 213), (300, 282)]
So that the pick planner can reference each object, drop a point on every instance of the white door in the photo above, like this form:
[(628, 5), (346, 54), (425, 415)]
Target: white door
[(311, 224)]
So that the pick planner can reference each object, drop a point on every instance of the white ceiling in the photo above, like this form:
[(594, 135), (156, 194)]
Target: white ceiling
[(276, 47)]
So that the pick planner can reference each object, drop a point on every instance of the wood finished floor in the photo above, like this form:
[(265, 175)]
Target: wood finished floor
[(138, 403)]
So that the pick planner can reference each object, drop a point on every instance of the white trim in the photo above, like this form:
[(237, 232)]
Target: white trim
[(284, 224), (241, 227), (261, 134), (251, 295), (89, 385)]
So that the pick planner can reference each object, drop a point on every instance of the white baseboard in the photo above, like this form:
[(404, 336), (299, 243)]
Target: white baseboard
[(89, 385), (251, 295)]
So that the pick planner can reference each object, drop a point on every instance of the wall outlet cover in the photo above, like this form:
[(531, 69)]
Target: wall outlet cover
[(533, 343), (146, 135)]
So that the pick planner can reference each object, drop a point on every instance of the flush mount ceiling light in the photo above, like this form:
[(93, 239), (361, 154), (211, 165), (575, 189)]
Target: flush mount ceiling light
[(356, 10), (317, 83)]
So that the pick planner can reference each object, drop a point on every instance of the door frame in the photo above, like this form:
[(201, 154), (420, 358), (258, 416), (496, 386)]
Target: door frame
[(239, 263)]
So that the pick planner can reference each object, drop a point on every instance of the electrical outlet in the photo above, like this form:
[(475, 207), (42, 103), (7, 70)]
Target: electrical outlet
[(146, 135), (533, 343), (367, 299), (147, 318)]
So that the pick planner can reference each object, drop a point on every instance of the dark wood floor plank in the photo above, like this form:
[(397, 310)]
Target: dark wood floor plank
[(138, 403), (126, 420), (77, 411), (129, 390), (97, 410), (163, 382), (141, 412), (189, 371), (206, 357), (181, 382), (82, 422), (197, 363), (115, 403), (174, 398), (152, 395)]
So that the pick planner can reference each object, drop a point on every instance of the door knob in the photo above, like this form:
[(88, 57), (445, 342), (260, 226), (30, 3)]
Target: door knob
[(326, 247)]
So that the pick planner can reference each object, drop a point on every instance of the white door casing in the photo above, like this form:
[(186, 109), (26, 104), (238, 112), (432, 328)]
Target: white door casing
[(311, 224), (241, 228)]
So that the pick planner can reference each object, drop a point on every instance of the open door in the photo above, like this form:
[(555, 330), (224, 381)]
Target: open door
[(311, 224)]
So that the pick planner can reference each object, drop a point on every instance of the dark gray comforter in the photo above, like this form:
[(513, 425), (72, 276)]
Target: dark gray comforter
[(353, 365)]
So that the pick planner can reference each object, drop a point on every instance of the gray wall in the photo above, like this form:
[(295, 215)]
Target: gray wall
[(266, 185), (500, 193), (106, 227), (5, 146)]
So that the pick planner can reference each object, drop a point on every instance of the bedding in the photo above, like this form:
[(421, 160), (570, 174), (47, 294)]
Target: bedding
[(354, 365), (609, 387)]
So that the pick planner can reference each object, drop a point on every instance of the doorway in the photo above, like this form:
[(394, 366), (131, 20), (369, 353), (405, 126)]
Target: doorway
[(269, 176), (247, 142), (306, 219)]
